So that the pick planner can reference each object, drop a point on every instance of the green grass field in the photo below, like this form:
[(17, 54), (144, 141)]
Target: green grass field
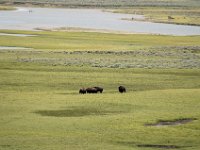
[(41, 108), (84, 41)]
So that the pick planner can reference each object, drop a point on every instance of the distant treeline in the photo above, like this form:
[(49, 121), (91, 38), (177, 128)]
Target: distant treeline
[(103, 3)]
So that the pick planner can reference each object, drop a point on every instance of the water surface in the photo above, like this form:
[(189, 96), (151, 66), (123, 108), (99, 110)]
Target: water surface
[(31, 18), (13, 48)]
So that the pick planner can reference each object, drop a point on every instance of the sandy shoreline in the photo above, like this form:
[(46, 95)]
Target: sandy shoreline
[(77, 29)]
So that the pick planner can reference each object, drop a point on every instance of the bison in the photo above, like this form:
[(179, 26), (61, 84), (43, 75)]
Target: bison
[(82, 91), (99, 89), (91, 90), (122, 89)]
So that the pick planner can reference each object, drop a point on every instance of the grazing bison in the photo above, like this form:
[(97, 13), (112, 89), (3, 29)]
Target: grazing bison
[(91, 90), (122, 89), (82, 91), (99, 89)]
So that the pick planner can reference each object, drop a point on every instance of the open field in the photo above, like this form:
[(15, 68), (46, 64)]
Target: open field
[(41, 108)]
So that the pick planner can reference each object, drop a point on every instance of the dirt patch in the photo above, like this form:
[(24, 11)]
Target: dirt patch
[(171, 122), (159, 146)]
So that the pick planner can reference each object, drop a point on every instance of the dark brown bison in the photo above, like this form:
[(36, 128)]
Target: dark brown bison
[(99, 89), (82, 91), (122, 89), (91, 90)]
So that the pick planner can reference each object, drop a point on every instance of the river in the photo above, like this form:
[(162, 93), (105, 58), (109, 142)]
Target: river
[(30, 18)]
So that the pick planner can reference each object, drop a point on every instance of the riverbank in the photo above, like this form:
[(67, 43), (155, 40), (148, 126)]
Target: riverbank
[(185, 12), (168, 15), (7, 8), (165, 22), (87, 19), (77, 29)]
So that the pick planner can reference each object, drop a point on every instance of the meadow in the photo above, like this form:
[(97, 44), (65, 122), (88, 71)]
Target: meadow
[(42, 109)]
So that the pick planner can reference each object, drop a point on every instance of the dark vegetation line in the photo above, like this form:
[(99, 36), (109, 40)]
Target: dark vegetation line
[(100, 4), (176, 23), (159, 146), (171, 122)]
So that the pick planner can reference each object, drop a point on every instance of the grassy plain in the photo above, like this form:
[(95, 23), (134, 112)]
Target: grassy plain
[(94, 41), (41, 108)]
